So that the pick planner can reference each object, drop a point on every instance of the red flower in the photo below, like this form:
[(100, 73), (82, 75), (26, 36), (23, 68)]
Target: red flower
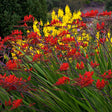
[(80, 66), (11, 82), (31, 104), (17, 32), (54, 22), (94, 64), (92, 13), (29, 78), (65, 32), (101, 85), (16, 103), (107, 75), (105, 13), (8, 103), (11, 65), (36, 57), (64, 66), (71, 52), (62, 80), (67, 40), (52, 41), (102, 40), (87, 56), (100, 27), (28, 18), (84, 80), (25, 24)]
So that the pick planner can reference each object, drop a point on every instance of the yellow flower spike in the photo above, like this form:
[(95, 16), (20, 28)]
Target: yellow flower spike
[(111, 39), (70, 59), (60, 13), (97, 35), (36, 27), (65, 20), (67, 11), (108, 34), (37, 51), (41, 23), (54, 16), (77, 15)]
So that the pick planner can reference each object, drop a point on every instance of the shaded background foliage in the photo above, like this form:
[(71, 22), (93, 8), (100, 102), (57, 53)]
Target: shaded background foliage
[(12, 11)]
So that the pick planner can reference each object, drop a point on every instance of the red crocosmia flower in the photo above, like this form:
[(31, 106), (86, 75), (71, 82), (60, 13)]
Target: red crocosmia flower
[(84, 80), (92, 13), (31, 104), (46, 49), (94, 64), (62, 80), (77, 55), (29, 78), (62, 47), (67, 40), (65, 32), (82, 24), (25, 24), (80, 66), (33, 35), (53, 22), (105, 13), (71, 52), (101, 84), (16, 103), (107, 75), (60, 55), (87, 56), (64, 66), (36, 57), (17, 32), (11, 65), (25, 45), (22, 95), (102, 40), (100, 27), (28, 18), (11, 82), (52, 41), (8, 103)]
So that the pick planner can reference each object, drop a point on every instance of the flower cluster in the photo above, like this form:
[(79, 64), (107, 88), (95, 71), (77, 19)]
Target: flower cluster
[(15, 104), (11, 82)]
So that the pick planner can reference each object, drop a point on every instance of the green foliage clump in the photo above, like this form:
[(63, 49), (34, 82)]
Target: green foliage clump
[(108, 5), (12, 11)]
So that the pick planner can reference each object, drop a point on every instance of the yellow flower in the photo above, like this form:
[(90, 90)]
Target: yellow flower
[(54, 16), (60, 13)]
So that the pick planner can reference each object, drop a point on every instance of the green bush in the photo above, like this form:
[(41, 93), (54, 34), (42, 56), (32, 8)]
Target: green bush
[(12, 11)]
